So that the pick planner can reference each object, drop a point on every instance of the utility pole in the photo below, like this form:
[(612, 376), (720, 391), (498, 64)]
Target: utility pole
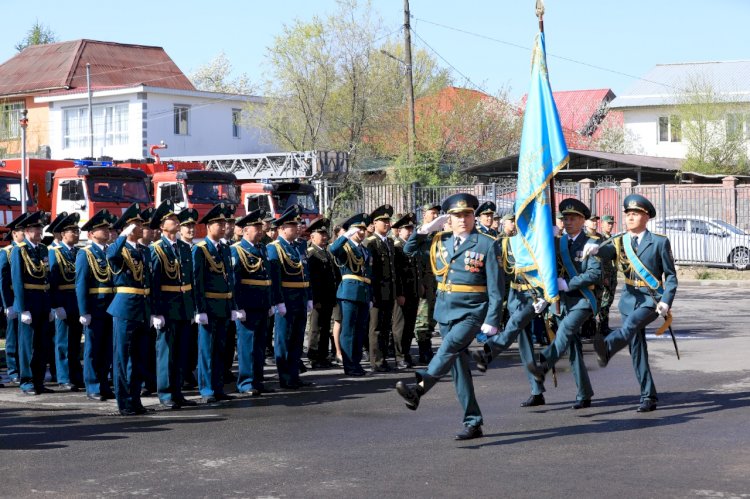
[(91, 113), (409, 82)]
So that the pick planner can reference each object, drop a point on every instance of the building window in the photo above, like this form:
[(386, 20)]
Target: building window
[(181, 120), (670, 128), (10, 116), (110, 125), (236, 122), (737, 126)]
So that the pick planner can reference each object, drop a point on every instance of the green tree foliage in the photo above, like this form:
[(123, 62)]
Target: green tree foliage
[(39, 34)]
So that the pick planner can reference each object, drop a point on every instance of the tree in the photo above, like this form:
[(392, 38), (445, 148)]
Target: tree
[(712, 129), (216, 76), (39, 34)]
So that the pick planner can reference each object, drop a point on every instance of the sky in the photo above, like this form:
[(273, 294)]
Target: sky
[(487, 43)]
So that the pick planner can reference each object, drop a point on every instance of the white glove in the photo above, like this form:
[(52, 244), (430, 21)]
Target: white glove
[(539, 305), (271, 311), (128, 230), (562, 284), (11, 313), (60, 313), (489, 330), (350, 232), (435, 225), (662, 309), (157, 321), (281, 309), (238, 315), (309, 306), (85, 320), (51, 316), (201, 319), (590, 249), (370, 306), (26, 317)]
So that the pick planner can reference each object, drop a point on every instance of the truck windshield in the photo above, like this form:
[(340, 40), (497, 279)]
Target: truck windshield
[(212, 193), (10, 191), (305, 199), (118, 190)]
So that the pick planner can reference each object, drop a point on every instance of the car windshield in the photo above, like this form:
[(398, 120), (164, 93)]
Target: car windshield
[(729, 227), (10, 192), (305, 199), (118, 190), (212, 193)]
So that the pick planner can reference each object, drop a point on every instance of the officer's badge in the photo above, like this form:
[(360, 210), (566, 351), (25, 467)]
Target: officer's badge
[(473, 261)]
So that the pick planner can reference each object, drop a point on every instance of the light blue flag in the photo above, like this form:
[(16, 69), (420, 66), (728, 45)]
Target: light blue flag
[(543, 153)]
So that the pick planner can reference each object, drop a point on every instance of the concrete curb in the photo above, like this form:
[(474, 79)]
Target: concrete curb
[(733, 283)]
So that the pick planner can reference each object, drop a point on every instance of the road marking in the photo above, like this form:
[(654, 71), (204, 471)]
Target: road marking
[(183, 416)]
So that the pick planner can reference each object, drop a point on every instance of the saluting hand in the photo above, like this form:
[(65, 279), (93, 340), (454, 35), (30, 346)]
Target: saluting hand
[(435, 225)]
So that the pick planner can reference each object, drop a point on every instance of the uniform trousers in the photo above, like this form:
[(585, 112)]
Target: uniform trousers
[(380, 330), (11, 348), (319, 343), (453, 357), (569, 337), (68, 334), (130, 339), (97, 355), (171, 351), (289, 331), (251, 344), (32, 350), (404, 321), (355, 318), (211, 338)]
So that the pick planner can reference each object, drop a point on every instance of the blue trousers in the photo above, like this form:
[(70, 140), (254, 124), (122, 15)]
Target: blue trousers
[(97, 355), (11, 348), (171, 349), (211, 339), (633, 333), (32, 350), (569, 336), (289, 338), (251, 350), (129, 338), (453, 356), (355, 320), (517, 327), (68, 350)]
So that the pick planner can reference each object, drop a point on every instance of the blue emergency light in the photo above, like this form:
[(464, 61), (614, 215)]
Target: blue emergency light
[(89, 162)]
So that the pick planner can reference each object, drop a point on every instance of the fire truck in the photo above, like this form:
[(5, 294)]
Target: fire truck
[(10, 199)]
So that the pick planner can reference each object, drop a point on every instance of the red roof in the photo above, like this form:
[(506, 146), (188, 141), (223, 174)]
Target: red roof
[(62, 66), (446, 99)]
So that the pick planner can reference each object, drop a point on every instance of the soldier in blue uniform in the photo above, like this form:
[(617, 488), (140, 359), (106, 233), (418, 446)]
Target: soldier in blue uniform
[(289, 267), (148, 235), (470, 297), (354, 293), (577, 279), (29, 270), (255, 294), (213, 290), (173, 304), (68, 329), (130, 310), (650, 286), (15, 235), (485, 215), (188, 218), (94, 292)]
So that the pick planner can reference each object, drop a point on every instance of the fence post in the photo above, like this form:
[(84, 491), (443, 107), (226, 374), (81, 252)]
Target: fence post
[(494, 192), (663, 196), (586, 190), (729, 183), (414, 186)]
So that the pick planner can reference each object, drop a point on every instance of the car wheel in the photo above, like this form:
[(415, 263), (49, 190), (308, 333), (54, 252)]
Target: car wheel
[(740, 258)]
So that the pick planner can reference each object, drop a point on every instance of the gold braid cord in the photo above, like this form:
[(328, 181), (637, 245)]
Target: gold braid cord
[(250, 262), (216, 268), (353, 262), (291, 268), (37, 271), (103, 276), (135, 267), (67, 269), (171, 270), (436, 252)]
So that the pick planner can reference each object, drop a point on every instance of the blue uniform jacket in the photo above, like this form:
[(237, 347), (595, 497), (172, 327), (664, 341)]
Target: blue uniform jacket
[(30, 278), (131, 278), (250, 264), (354, 261), (172, 280), (289, 268), (62, 276), (213, 280), (94, 290), (655, 251), (589, 272), (6, 286), (475, 264)]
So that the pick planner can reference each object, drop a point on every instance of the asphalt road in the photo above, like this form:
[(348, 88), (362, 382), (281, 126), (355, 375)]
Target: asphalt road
[(354, 437)]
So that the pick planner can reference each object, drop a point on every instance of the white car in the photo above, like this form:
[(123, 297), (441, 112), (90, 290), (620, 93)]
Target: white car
[(705, 240)]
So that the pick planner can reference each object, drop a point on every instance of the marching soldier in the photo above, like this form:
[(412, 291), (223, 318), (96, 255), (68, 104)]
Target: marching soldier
[(255, 295), (470, 294), (354, 293), (68, 329), (405, 311), (577, 278), (428, 287), (289, 267), (485, 216), (188, 218), (214, 302), (650, 287), (173, 304), (29, 269), (130, 310), (609, 277), (15, 235), (324, 279), (94, 291), (384, 286)]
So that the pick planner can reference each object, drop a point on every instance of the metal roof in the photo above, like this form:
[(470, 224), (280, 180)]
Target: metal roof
[(664, 83), (62, 66)]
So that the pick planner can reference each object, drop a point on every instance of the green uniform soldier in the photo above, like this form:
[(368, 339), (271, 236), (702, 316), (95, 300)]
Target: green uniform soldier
[(324, 283), (427, 291), (485, 215), (609, 277), (405, 311)]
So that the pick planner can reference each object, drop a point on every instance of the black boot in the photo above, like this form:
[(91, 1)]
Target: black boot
[(410, 393), (482, 358), (425, 351), (538, 369)]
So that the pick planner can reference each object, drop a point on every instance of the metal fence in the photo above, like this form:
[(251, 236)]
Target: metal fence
[(706, 224)]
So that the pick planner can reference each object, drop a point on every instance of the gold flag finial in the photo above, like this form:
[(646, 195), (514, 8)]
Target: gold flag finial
[(539, 8)]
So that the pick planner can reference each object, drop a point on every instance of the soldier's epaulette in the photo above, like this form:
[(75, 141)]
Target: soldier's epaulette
[(593, 236), (21, 244), (237, 244), (159, 242), (8, 248), (371, 238), (201, 243), (487, 235)]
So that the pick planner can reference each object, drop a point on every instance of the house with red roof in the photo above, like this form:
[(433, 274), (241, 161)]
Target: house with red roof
[(139, 97)]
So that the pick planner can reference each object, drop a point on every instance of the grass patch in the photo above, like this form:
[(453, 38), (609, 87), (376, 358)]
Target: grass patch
[(703, 275)]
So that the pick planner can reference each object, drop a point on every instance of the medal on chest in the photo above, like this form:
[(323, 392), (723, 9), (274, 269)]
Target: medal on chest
[(473, 261)]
